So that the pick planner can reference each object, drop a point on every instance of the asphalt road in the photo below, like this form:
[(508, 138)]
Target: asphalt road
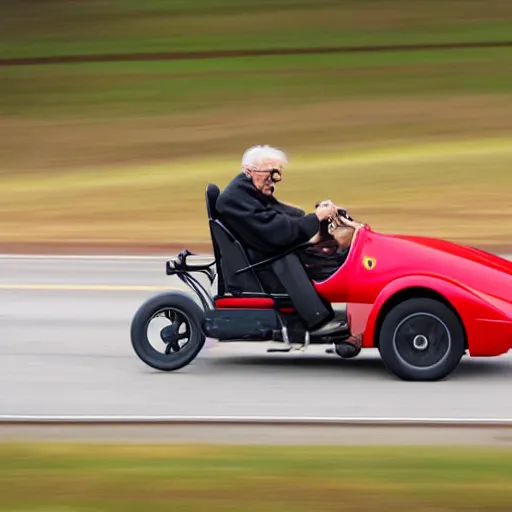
[(65, 350)]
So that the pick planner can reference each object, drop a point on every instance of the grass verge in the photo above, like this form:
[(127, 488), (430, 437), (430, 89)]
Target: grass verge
[(358, 479)]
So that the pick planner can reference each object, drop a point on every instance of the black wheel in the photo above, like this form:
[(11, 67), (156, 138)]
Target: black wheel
[(176, 336), (421, 339)]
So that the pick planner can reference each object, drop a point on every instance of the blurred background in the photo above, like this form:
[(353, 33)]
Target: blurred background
[(116, 114), (102, 151)]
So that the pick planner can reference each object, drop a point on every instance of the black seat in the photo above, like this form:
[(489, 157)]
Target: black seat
[(229, 254), (288, 269)]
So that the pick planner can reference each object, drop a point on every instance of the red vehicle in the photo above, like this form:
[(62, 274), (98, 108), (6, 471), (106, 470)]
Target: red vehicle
[(422, 302)]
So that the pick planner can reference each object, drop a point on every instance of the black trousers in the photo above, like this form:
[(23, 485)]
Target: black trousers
[(320, 263)]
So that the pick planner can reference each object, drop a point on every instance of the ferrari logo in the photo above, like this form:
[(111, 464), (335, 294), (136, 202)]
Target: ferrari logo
[(369, 263)]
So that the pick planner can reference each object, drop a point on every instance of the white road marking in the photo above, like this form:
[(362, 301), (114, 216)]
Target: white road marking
[(86, 287), (98, 257), (258, 419)]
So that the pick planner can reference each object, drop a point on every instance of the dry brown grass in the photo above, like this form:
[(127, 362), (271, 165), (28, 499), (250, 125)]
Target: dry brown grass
[(452, 190), (28, 145)]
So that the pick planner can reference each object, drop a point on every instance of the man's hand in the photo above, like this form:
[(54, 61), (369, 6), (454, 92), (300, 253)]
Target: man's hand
[(325, 211), (323, 203)]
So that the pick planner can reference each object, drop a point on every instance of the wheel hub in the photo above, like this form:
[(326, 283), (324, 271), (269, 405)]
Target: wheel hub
[(169, 333), (420, 342), (176, 334)]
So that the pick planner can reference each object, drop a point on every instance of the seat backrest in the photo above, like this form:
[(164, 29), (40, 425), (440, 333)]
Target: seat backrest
[(212, 194), (229, 253), (232, 258)]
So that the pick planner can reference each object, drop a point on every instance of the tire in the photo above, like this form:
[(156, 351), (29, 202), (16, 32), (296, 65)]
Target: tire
[(180, 307), (421, 339)]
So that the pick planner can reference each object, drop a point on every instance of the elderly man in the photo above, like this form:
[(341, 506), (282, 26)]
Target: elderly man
[(267, 226)]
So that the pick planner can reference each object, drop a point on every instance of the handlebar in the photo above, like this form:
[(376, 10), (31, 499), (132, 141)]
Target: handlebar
[(179, 264)]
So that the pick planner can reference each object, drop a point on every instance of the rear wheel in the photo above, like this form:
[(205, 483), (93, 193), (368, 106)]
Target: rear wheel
[(421, 339), (166, 331)]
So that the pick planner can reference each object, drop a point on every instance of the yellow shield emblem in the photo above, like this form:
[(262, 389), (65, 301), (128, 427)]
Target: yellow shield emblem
[(369, 263)]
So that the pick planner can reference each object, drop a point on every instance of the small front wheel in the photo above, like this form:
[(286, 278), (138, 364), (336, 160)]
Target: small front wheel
[(421, 339), (166, 331)]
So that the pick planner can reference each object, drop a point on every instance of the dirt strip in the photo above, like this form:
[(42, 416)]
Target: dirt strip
[(227, 54), (260, 434)]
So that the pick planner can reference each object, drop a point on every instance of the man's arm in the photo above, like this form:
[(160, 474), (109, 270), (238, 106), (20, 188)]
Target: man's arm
[(277, 230), (291, 210)]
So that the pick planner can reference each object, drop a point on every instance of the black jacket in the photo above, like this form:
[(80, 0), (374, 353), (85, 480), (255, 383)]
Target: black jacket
[(262, 223)]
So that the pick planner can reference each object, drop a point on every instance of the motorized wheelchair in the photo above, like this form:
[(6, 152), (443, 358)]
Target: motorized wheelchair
[(241, 308)]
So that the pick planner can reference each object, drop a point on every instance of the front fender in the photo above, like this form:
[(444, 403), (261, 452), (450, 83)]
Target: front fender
[(488, 328)]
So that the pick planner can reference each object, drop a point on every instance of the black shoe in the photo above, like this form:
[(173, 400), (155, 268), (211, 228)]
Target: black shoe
[(333, 327)]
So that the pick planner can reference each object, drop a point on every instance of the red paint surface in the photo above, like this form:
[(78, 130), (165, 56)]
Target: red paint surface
[(244, 303), (476, 283)]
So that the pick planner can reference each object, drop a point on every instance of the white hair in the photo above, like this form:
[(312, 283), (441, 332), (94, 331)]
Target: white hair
[(256, 154)]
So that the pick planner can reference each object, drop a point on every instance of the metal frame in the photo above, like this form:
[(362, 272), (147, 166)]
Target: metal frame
[(179, 267)]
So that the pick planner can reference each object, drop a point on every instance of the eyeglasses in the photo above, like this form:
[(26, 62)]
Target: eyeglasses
[(275, 174)]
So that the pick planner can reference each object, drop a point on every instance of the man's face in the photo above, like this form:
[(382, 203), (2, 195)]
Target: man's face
[(263, 177)]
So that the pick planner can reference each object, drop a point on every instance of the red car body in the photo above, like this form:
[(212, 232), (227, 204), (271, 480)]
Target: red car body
[(381, 267)]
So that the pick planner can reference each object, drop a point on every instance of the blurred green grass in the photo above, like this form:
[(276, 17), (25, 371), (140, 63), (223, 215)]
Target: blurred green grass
[(180, 124), (59, 27), (181, 478), (157, 88)]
